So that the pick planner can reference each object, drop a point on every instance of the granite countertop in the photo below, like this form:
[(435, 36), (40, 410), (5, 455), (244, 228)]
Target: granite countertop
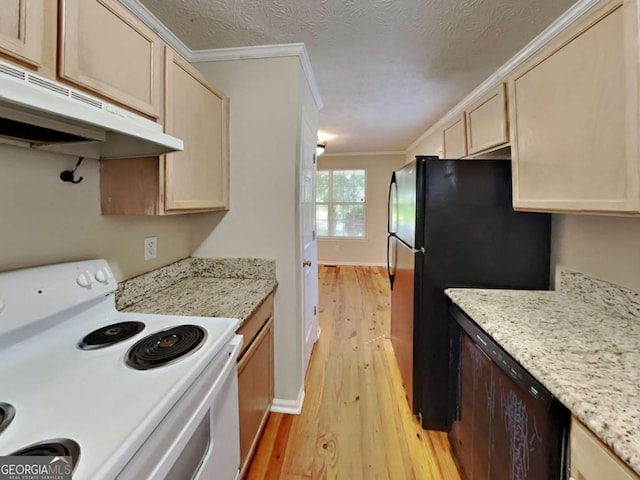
[(203, 287), (581, 342)]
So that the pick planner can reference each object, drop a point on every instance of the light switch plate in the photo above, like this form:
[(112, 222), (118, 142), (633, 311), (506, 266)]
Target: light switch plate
[(150, 248)]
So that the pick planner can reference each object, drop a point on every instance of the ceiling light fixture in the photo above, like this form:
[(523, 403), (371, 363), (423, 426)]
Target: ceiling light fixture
[(320, 148)]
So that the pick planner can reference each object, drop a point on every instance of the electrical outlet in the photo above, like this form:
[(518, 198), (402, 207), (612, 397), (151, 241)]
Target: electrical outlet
[(150, 248)]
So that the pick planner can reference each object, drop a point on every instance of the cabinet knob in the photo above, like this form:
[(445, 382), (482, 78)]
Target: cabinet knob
[(306, 263)]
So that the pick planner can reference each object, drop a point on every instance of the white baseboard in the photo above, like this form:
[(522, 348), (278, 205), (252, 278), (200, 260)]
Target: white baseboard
[(292, 407), (352, 264)]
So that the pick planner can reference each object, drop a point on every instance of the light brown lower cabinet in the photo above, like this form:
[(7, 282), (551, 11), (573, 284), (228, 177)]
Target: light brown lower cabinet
[(255, 380), (592, 460)]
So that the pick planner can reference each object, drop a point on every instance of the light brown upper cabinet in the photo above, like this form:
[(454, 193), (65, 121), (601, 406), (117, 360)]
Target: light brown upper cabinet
[(454, 139), (28, 33), (573, 118), (21, 29), (486, 121), (105, 49), (194, 180), (196, 112)]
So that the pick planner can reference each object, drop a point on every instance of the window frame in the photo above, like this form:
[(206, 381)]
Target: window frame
[(331, 203)]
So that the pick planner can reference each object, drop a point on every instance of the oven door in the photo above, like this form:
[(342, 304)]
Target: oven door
[(199, 438)]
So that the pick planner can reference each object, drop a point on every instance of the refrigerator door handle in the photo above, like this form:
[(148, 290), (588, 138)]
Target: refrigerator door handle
[(389, 272), (413, 250), (393, 188)]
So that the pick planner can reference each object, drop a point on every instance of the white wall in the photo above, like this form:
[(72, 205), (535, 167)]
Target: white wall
[(604, 247), (47, 221), (371, 250), (266, 97)]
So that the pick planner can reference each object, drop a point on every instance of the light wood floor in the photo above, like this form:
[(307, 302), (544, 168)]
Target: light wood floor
[(355, 423)]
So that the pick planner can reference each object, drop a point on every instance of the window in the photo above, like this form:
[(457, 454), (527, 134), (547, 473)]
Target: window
[(340, 203)]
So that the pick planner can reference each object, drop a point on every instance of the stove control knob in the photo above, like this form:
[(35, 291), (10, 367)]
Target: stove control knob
[(102, 276), (84, 279)]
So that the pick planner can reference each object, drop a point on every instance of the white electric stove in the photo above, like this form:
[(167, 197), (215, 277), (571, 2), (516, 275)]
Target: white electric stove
[(160, 402)]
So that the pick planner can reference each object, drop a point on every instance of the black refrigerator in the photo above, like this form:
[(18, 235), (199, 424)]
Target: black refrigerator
[(451, 224)]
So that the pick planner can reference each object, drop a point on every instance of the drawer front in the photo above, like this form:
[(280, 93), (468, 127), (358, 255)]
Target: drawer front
[(254, 324)]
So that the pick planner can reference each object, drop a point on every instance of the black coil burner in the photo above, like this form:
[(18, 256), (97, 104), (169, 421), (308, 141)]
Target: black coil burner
[(7, 412), (111, 334), (59, 447), (165, 346)]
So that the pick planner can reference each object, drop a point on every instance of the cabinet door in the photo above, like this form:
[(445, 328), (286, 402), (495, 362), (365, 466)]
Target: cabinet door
[(573, 118), (454, 143), (255, 392), (195, 111), (21, 30), (591, 460), (487, 121), (108, 51)]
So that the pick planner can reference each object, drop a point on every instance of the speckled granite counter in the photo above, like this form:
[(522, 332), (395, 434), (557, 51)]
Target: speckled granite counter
[(581, 342), (204, 287)]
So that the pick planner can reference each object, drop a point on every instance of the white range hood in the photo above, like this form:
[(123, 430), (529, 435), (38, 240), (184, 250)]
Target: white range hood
[(39, 113)]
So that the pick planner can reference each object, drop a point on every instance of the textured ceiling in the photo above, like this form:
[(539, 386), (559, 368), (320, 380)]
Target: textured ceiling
[(386, 69)]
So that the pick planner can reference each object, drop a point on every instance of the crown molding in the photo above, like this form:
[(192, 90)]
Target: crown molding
[(241, 53), (223, 54), (264, 51), (151, 21), (578, 11), (363, 154)]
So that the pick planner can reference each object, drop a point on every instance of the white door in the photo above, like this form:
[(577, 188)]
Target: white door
[(308, 237)]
